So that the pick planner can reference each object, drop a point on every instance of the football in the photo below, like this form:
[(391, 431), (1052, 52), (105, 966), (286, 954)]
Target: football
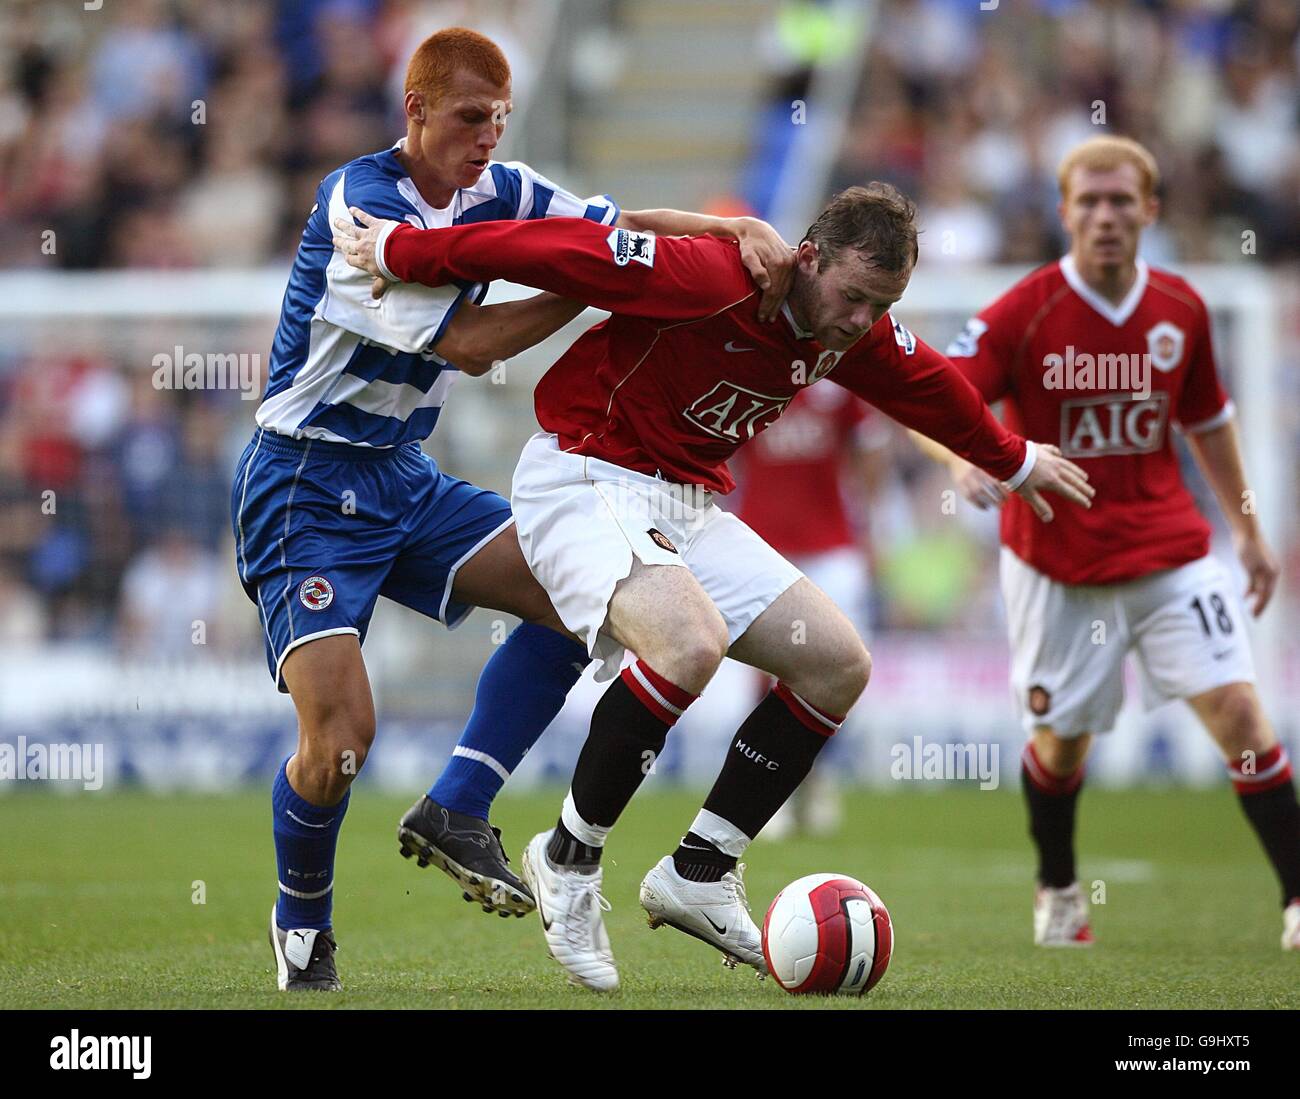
[(828, 934)]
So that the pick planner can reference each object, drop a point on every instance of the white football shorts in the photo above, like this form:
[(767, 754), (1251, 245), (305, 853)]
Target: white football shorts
[(582, 522), (842, 574), (1069, 641)]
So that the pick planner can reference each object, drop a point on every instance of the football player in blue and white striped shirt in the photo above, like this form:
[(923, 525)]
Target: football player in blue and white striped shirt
[(335, 504)]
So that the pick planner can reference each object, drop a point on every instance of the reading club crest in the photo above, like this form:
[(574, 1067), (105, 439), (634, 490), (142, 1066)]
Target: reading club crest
[(315, 593)]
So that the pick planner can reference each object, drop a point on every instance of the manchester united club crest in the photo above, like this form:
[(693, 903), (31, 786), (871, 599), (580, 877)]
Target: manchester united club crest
[(315, 593), (661, 540), (825, 364), (1040, 701), (1165, 343)]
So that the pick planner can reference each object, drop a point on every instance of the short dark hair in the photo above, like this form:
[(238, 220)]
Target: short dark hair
[(877, 220)]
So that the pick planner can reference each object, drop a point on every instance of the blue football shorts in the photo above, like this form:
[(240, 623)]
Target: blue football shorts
[(323, 529)]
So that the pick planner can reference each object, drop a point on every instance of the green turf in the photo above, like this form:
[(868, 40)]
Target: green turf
[(96, 894)]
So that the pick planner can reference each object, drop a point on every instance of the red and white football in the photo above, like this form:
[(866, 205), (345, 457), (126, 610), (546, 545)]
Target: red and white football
[(827, 933)]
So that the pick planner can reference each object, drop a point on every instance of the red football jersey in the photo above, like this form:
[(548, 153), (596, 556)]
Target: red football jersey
[(684, 372), (1069, 366), (790, 475)]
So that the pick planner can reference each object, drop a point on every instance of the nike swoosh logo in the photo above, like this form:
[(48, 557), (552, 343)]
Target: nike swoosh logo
[(1220, 656), (546, 924), (720, 930), (731, 346)]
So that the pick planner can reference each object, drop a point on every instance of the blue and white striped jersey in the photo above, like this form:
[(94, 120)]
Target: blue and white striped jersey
[(347, 368)]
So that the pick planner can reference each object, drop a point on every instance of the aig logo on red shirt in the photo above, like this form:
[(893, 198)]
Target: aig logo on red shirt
[(1095, 427), (734, 413)]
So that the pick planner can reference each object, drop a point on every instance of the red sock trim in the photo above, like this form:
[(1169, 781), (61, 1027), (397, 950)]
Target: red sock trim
[(665, 700), (1269, 770), (819, 721), (1044, 780)]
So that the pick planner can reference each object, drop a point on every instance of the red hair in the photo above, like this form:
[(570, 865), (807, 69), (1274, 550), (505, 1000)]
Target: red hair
[(442, 55)]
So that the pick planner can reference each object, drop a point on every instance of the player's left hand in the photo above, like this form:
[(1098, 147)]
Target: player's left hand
[(977, 487), (358, 245), (1054, 473), (1261, 568), (769, 261)]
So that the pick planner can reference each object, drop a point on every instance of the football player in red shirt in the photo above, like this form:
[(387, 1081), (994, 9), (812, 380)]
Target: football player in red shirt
[(1102, 354), (613, 502), (791, 488)]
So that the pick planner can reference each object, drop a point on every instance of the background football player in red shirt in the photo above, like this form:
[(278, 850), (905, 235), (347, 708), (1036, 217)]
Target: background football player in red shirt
[(792, 480), (613, 502), (1102, 354)]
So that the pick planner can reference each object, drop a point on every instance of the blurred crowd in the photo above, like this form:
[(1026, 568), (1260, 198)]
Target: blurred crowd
[(178, 133), (174, 133), (971, 110), (115, 508), (166, 134)]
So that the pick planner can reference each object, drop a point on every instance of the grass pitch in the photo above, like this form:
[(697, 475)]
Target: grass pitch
[(97, 895)]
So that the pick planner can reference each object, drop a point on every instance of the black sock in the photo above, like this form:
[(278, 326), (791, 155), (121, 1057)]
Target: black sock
[(628, 730), (771, 753), (1052, 802), (565, 849), (1275, 816), (696, 859)]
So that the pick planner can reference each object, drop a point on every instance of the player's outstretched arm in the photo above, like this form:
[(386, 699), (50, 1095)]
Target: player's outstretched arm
[(1217, 451), (662, 278), (921, 389), (477, 335), (1053, 473), (976, 487), (766, 256), (1050, 473)]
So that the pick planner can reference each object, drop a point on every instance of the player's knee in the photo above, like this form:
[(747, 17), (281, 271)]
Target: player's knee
[(339, 740), (1238, 721), (840, 681), (859, 669), (688, 651), (1060, 755), (702, 651), (837, 680)]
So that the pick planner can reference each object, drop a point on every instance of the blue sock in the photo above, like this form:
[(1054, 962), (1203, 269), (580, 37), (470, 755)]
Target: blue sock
[(520, 691), (305, 838)]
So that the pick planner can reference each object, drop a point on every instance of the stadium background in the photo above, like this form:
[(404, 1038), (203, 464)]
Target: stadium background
[(157, 161)]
